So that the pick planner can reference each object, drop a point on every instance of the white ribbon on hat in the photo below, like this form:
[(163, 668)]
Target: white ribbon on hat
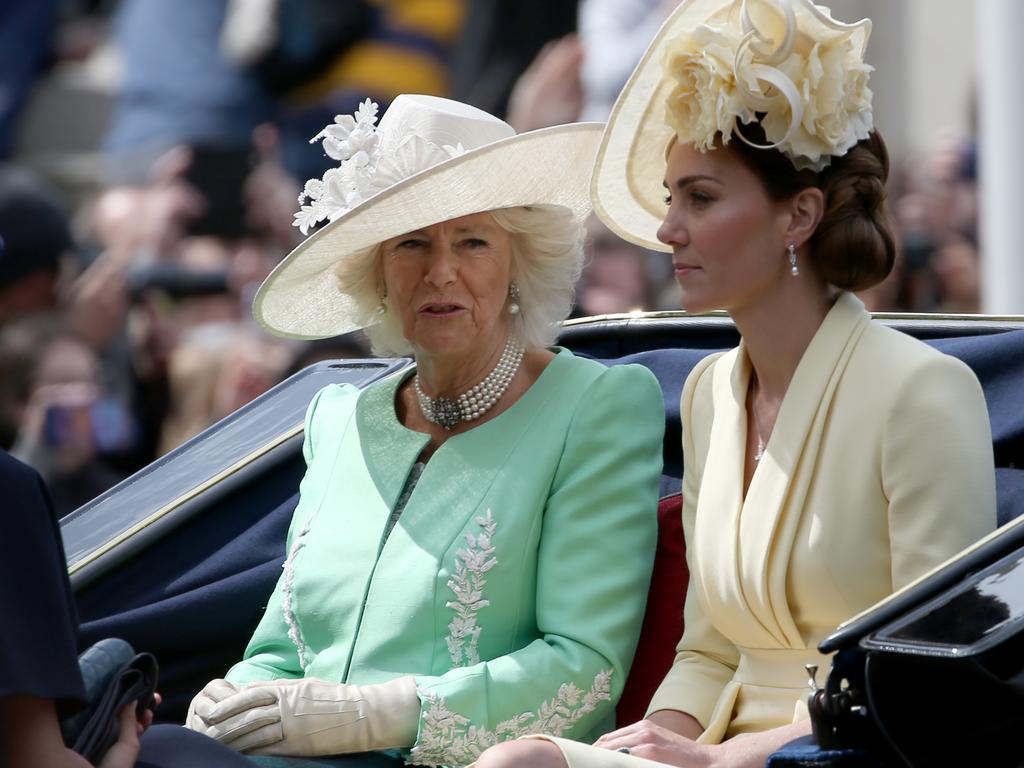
[(756, 45)]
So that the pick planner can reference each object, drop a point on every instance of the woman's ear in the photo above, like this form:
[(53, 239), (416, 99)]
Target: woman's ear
[(805, 210)]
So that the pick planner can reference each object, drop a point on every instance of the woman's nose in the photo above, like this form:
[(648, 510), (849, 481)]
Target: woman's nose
[(443, 267), (671, 231)]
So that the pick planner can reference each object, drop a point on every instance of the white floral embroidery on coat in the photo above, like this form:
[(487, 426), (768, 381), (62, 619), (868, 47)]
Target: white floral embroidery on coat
[(448, 738), (471, 564), (287, 607)]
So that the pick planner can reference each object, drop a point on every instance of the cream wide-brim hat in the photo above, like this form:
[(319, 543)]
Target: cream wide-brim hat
[(627, 185), (499, 168)]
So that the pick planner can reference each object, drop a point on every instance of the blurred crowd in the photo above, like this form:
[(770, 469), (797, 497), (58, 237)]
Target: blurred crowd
[(151, 154)]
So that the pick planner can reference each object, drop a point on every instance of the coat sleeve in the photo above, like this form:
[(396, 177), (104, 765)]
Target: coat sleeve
[(595, 556), (705, 660), (37, 645), (272, 652), (937, 467)]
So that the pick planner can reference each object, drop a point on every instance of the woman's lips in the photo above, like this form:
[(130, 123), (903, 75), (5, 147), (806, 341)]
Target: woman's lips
[(440, 309), (682, 270)]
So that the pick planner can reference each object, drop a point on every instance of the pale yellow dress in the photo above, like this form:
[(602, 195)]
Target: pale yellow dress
[(879, 468)]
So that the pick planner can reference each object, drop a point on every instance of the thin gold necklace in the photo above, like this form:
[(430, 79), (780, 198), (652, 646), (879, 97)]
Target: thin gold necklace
[(759, 453)]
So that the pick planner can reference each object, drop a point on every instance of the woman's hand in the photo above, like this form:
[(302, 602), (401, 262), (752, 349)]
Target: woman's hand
[(310, 717), (213, 693), (653, 742)]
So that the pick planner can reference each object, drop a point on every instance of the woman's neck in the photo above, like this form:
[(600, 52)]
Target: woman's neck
[(777, 332), (451, 375)]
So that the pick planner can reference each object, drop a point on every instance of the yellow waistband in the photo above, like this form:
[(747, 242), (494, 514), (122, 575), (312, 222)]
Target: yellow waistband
[(779, 667)]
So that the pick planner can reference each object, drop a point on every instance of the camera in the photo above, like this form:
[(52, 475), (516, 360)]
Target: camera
[(176, 282)]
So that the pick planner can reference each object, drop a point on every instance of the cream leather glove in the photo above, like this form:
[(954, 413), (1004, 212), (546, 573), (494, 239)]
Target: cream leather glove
[(311, 717), (212, 694)]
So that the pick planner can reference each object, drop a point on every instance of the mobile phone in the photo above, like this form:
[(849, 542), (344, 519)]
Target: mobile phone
[(113, 428), (219, 175), (105, 422), (64, 424)]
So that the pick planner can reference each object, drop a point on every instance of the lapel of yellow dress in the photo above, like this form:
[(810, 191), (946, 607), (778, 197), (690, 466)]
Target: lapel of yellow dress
[(750, 540)]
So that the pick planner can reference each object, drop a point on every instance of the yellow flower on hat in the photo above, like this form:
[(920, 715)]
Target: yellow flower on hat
[(704, 100), (786, 61)]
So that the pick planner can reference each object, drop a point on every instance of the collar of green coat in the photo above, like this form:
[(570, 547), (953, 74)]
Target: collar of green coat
[(390, 448)]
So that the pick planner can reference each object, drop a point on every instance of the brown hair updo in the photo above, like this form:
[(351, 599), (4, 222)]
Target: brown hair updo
[(854, 246)]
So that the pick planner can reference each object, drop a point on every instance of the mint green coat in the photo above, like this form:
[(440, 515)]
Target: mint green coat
[(514, 583)]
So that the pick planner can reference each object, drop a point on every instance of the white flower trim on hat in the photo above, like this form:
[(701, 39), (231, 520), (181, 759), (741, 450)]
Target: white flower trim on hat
[(413, 173), (812, 92), (366, 165)]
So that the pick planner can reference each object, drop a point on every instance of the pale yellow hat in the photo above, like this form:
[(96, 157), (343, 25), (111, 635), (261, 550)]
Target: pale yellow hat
[(715, 65)]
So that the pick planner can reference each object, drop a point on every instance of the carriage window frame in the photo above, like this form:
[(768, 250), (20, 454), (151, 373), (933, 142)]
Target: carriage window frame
[(216, 453), (931, 629)]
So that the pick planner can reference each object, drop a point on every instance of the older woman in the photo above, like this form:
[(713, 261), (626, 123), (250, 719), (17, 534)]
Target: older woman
[(447, 583)]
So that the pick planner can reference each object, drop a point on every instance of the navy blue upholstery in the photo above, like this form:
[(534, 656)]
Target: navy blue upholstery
[(671, 366), (997, 359), (804, 753), (194, 597)]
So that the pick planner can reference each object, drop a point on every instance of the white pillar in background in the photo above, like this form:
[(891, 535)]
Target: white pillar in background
[(1001, 155)]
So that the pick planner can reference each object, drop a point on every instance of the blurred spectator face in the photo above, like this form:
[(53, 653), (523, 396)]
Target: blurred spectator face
[(254, 364), (67, 361), (66, 378), (37, 245), (35, 293), (956, 266), (216, 370), (67, 415), (615, 276)]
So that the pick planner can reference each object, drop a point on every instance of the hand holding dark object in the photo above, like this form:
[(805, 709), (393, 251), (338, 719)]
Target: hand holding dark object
[(97, 301), (270, 192), (41, 676), (124, 751), (116, 679), (53, 436), (218, 175)]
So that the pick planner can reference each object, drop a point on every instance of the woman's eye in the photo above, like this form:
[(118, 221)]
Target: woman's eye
[(700, 198), (474, 242), (411, 243)]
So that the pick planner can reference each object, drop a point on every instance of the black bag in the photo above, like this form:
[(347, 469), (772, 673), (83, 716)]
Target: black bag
[(114, 677)]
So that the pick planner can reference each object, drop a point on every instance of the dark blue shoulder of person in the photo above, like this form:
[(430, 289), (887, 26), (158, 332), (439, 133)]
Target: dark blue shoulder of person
[(38, 644)]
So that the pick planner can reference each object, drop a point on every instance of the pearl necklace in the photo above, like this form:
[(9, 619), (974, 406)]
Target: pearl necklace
[(472, 404)]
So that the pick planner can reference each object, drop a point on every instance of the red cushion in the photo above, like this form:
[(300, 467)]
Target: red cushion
[(663, 619)]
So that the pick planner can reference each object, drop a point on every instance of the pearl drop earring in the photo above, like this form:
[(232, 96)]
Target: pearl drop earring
[(513, 294), (793, 270)]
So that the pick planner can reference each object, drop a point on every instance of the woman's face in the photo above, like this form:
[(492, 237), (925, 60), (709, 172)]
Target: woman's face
[(728, 237), (449, 283)]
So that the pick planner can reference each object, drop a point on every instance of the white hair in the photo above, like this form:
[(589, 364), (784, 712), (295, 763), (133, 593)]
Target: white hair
[(547, 256)]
